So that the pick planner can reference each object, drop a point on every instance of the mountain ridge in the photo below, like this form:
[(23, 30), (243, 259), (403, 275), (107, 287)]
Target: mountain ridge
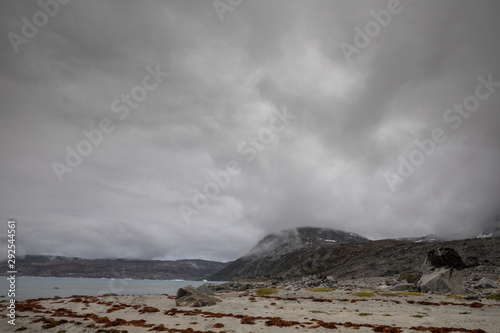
[(289, 253), (271, 254), (57, 266), (287, 240), (352, 259)]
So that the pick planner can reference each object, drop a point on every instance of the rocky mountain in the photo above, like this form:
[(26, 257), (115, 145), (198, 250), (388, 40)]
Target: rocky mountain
[(286, 241), (37, 265), (286, 256), (275, 253)]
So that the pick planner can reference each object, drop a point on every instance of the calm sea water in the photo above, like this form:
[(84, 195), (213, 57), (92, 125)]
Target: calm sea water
[(36, 287)]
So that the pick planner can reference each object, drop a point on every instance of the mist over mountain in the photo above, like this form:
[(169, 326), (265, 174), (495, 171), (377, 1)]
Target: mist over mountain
[(286, 241), (306, 251), (491, 228), (287, 254), (270, 254)]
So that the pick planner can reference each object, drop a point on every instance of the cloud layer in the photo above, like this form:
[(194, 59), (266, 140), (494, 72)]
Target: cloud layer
[(353, 117)]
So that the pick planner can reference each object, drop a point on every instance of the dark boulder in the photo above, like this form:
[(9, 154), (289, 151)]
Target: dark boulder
[(443, 257)]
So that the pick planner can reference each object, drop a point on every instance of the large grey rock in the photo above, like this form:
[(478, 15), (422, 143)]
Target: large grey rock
[(190, 296), (442, 281), (485, 283), (204, 288)]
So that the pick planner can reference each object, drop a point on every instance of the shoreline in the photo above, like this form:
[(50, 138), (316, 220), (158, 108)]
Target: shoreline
[(342, 310), (106, 278), (46, 287)]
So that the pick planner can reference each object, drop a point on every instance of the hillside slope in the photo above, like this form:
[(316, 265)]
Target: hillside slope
[(279, 253), (356, 260)]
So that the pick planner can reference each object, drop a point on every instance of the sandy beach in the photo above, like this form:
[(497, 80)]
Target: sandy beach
[(340, 310)]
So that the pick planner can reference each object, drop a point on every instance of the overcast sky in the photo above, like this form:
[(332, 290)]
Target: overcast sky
[(307, 112)]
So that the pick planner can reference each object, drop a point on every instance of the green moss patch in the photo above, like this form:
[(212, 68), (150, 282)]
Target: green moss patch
[(266, 291), (493, 296), (410, 293), (457, 297), (364, 294), (388, 294)]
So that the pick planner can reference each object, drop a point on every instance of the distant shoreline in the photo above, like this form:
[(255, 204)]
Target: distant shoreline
[(36, 287)]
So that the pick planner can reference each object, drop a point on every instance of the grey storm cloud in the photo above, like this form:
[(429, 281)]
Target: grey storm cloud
[(74, 71)]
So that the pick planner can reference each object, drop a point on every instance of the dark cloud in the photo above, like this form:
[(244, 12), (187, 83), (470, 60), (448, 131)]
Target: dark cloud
[(227, 81)]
